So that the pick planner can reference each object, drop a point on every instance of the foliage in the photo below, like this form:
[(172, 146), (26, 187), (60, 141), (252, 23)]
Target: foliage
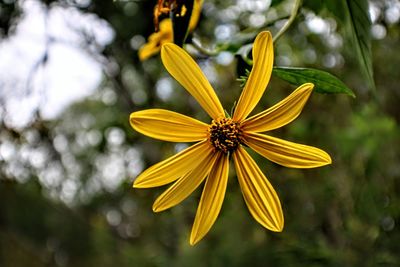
[(323, 81)]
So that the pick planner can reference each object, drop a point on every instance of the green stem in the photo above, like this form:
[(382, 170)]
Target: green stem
[(248, 61), (289, 22), (204, 50)]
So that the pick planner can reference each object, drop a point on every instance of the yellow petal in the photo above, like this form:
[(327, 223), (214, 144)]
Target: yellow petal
[(263, 59), (259, 195), (156, 39), (196, 12), (166, 26), (148, 50), (183, 187), (281, 113), (168, 126), (287, 153), (185, 70), (211, 199), (174, 167)]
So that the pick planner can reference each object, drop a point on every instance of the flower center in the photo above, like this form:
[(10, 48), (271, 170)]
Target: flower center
[(225, 134)]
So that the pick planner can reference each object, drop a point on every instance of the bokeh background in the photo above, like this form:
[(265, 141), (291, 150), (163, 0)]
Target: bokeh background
[(69, 78)]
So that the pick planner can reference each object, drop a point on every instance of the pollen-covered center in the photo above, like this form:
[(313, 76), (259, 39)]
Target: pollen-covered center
[(225, 134)]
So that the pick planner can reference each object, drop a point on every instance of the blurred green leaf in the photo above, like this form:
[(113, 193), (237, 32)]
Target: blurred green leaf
[(324, 82), (316, 6), (276, 2), (359, 28), (180, 17)]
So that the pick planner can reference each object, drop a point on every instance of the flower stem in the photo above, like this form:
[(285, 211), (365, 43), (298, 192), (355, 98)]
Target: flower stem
[(203, 50), (289, 22)]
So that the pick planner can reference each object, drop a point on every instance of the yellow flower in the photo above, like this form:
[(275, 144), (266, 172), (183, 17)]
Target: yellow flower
[(165, 33), (208, 159)]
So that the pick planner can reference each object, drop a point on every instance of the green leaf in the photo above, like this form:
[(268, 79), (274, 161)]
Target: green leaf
[(180, 16), (315, 6), (276, 2), (359, 28), (323, 81)]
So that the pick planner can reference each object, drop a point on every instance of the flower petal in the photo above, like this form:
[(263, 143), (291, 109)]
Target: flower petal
[(287, 153), (183, 187), (148, 50), (196, 12), (185, 70), (211, 199), (174, 167), (168, 126), (156, 39), (281, 113), (263, 59), (259, 195), (166, 27)]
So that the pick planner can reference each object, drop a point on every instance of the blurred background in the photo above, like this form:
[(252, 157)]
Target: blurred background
[(69, 78)]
